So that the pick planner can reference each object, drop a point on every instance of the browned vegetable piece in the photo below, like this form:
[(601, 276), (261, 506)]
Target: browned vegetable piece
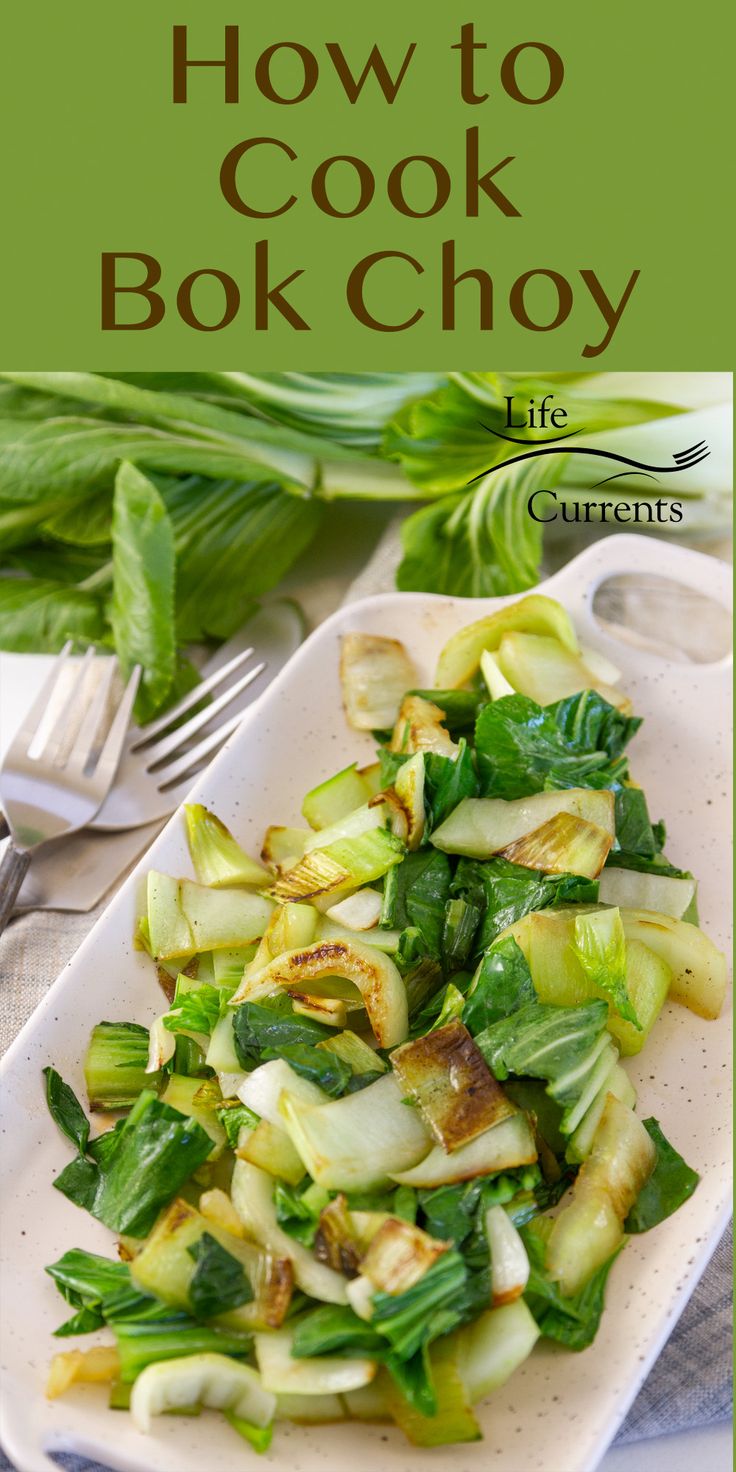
[(330, 1010), (419, 728), (399, 1255), (456, 1092), (565, 844), (374, 673), (336, 1242)]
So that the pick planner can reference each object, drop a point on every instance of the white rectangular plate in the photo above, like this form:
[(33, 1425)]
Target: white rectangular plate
[(560, 1410)]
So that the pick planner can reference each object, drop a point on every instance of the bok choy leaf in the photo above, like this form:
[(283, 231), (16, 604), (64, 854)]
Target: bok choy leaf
[(671, 1183), (66, 1110), (600, 946), (142, 610), (220, 1282), (138, 1166)]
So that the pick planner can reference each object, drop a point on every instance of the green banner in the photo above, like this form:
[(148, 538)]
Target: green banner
[(383, 186)]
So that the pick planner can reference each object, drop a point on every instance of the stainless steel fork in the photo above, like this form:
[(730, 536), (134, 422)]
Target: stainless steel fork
[(159, 761), (61, 763)]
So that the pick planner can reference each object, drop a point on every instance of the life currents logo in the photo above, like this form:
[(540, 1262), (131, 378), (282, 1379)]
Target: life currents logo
[(546, 420)]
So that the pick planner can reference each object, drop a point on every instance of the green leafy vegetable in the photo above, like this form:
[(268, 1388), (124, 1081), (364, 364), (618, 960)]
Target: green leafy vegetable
[(220, 1282), (415, 894), (142, 611), (460, 929), (414, 1381), (234, 1118), (101, 1289), (332, 1329), (298, 1209), (144, 1343), (563, 1045), (600, 946), (66, 1110), (332, 1074), (263, 1029), (39, 615), (481, 542), (412, 1319), (447, 780), (503, 985), (634, 831), (671, 1183), (520, 747), (244, 464), (236, 542), (115, 1065), (139, 1166), (574, 1321), (440, 440), (505, 891), (460, 706), (197, 1010), (588, 722)]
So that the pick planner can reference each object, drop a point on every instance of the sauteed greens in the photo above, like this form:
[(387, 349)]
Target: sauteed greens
[(381, 1137)]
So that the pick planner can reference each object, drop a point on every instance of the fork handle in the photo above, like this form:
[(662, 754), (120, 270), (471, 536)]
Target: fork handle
[(13, 870)]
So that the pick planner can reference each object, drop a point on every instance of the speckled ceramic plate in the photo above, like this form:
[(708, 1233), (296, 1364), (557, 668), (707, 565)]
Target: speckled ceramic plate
[(559, 1411)]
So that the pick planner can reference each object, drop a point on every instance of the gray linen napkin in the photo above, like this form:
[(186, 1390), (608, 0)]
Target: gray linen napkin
[(36, 947)]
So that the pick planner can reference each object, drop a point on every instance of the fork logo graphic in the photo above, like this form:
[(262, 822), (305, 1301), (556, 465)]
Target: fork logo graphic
[(682, 459)]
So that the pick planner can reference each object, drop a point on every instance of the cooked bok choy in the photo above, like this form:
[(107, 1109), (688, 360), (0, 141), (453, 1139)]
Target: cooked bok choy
[(386, 1057)]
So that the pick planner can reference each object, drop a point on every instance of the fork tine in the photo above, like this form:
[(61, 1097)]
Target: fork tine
[(190, 759), (41, 704), (192, 698), (62, 732), (176, 740), (83, 744), (112, 749)]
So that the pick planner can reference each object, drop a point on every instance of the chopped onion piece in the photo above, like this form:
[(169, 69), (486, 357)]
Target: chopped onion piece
[(230, 1083), (491, 1347), (269, 1146), (332, 1011), (660, 892), (217, 857), (283, 847), (408, 790), (591, 1227), (546, 671), (495, 679), (360, 1293), (600, 667), (96, 1366)]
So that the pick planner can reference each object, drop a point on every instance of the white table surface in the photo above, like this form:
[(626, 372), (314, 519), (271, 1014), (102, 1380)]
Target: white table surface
[(320, 582)]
